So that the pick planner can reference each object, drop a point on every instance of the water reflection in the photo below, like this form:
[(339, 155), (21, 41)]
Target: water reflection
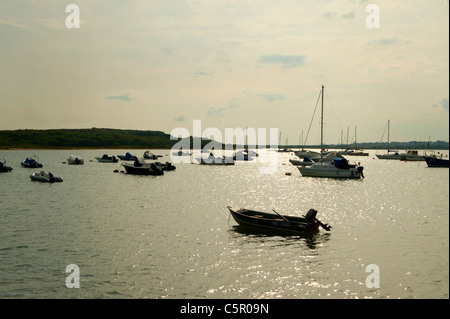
[(257, 235)]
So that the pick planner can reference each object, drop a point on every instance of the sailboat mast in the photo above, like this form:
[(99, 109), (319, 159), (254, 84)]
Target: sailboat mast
[(389, 124), (321, 128)]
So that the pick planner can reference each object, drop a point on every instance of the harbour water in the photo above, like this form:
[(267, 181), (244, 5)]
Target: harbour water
[(172, 236)]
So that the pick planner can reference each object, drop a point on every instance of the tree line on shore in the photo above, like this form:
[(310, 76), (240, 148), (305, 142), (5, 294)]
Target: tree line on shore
[(117, 138)]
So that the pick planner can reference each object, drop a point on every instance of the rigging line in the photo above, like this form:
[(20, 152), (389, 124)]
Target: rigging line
[(334, 113), (317, 103), (382, 136)]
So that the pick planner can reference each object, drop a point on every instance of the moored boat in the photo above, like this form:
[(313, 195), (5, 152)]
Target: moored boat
[(277, 222), (139, 167), (339, 168), (245, 155), (411, 155), (212, 160), (127, 157), (45, 177), (391, 154), (75, 160), (4, 168), (31, 162), (150, 155), (167, 166), (434, 161), (107, 159), (354, 152)]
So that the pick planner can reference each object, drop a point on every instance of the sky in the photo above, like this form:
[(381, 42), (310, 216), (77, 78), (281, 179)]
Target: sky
[(161, 64)]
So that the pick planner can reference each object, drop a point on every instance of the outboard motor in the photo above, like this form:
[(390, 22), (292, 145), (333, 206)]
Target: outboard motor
[(360, 170), (311, 215)]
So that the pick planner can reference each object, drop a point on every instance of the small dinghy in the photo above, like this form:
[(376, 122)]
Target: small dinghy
[(45, 177), (276, 222)]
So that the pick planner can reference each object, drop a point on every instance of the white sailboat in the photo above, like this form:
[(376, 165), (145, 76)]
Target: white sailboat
[(390, 154), (338, 168)]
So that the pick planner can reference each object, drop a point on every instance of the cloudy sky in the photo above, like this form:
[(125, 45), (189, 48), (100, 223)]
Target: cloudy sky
[(160, 64)]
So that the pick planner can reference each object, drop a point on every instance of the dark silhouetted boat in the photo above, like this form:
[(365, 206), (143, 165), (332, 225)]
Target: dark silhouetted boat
[(277, 222), (31, 162), (140, 167), (127, 157), (4, 168), (434, 161)]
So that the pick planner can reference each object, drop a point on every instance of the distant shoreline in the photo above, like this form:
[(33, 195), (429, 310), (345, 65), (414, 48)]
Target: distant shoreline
[(105, 138), (163, 148)]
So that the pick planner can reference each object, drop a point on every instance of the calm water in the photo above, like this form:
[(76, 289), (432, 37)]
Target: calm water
[(171, 236)]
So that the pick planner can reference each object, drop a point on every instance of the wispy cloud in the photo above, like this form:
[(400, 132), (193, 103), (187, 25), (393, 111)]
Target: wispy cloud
[(233, 103), (125, 97), (330, 15), (213, 112), (203, 73), (271, 97), (444, 103), (286, 61), (349, 15), (180, 119), (386, 42)]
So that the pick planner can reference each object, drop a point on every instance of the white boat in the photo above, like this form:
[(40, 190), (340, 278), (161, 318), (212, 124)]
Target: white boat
[(245, 155), (391, 155), (354, 152), (75, 160), (107, 159), (412, 155), (45, 177), (150, 155), (212, 160), (338, 168), (302, 153), (304, 162)]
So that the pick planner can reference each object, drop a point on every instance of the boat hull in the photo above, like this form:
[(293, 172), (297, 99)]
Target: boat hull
[(4, 169), (45, 178), (389, 157), (272, 222), (436, 162), (215, 161), (103, 160), (143, 170), (330, 171)]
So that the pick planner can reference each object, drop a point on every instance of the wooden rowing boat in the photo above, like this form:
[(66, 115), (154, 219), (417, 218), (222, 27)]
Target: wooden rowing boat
[(277, 222)]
